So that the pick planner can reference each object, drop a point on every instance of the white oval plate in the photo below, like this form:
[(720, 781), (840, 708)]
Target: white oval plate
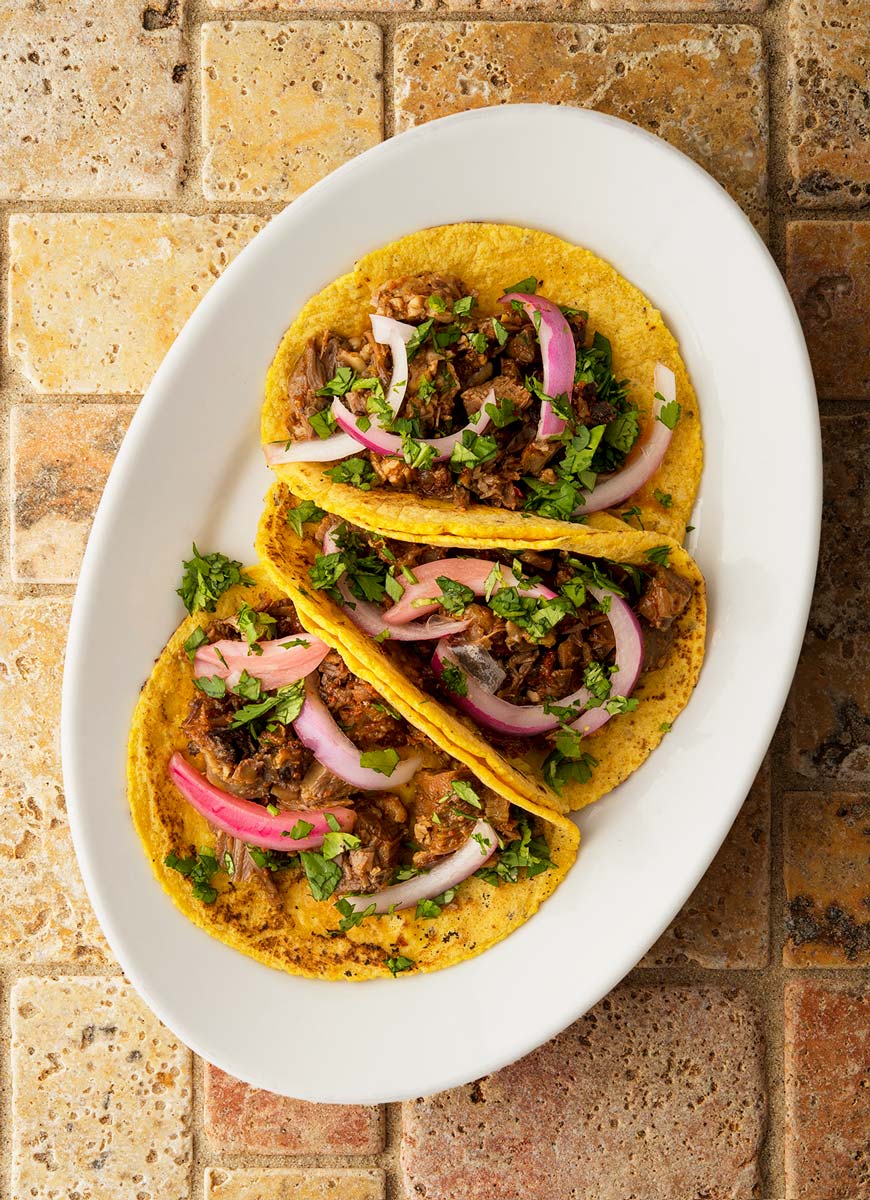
[(190, 467)]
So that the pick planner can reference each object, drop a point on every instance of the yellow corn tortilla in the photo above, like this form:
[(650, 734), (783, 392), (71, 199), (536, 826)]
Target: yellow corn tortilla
[(488, 257), (294, 937), (620, 746)]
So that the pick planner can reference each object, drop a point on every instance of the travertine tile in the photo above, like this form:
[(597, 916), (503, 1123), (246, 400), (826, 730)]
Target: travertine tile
[(830, 699), (46, 915), (61, 456), (701, 87), (284, 104), (266, 1183), (827, 1091), (656, 1094), (96, 299), (92, 99), (828, 272), (245, 1119), (725, 922), (826, 859), (101, 1094), (828, 112)]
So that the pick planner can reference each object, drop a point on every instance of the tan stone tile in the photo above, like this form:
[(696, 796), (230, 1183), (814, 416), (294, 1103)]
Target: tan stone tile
[(92, 101), (61, 456), (276, 1183), (284, 104), (96, 299), (828, 272), (830, 700), (827, 110), (725, 922), (101, 1094), (827, 1091), (46, 914), (248, 1120), (701, 87), (826, 863), (656, 1094)]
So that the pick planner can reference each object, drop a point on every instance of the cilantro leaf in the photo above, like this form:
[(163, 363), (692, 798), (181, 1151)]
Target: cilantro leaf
[(350, 916), (305, 511), (323, 423), (473, 450), (478, 342), (382, 761), (669, 413), (659, 555), (199, 869), (206, 578), (463, 307), (665, 499), (427, 910), (340, 384), (418, 455), (501, 334), (212, 685), (193, 643), (529, 286), (455, 597), (336, 843), (357, 472), (323, 874), (454, 679), (418, 337), (399, 963), (466, 792)]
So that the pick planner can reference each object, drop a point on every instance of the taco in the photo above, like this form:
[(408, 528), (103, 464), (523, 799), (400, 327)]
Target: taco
[(466, 399), (313, 821), (560, 663)]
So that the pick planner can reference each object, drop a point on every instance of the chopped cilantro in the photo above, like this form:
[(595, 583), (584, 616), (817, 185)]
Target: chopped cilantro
[(248, 687), (322, 874), (446, 335), (466, 792), (399, 963), (436, 303), (621, 704), (493, 581), (382, 761), (285, 706), (212, 685), (557, 500), (305, 511), (659, 555), (206, 578), (576, 766), (665, 499), (418, 337), (199, 869), (340, 384), (597, 682), (193, 643), (393, 588), (300, 830), (529, 286), (635, 512), (426, 388), (427, 910), (528, 853), (253, 625), (670, 413), (503, 412), (357, 472), (473, 450), (478, 342), (501, 334), (535, 615), (327, 570), (336, 843), (455, 597), (387, 709), (323, 423), (454, 679), (463, 307), (665, 727), (418, 455), (350, 916)]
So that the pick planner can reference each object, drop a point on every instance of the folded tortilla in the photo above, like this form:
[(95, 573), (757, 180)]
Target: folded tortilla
[(486, 256), (620, 746), (298, 935)]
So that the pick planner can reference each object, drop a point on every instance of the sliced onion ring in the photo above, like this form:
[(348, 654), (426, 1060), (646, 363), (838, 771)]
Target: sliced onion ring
[(250, 822), (276, 667), (448, 873), (331, 449), (645, 456), (558, 353), (316, 729), (369, 617), (472, 572), (525, 720), (388, 332), (380, 442)]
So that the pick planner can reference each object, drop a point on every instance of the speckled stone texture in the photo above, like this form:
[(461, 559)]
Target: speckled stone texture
[(656, 1094), (701, 87), (827, 1081), (830, 699), (92, 101), (101, 1094), (46, 915), (826, 852), (724, 923), (284, 104), (828, 272), (829, 102), (61, 457), (243, 1119), (130, 281), (266, 1183)]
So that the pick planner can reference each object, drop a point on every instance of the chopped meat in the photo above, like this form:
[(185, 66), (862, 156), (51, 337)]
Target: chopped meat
[(381, 823), (283, 613), (577, 321), (442, 821), (504, 387), (498, 812), (522, 347), (537, 454), (573, 652), (437, 482), (394, 471), (315, 367), (357, 708), (436, 409), (667, 595), (602, 640), (321, 787), (235, 858), (486, 629), (472, 368), (491, 482), (657, 645), (601, 413), (511, 370), (536, 560), (547, 680), (407, 298)]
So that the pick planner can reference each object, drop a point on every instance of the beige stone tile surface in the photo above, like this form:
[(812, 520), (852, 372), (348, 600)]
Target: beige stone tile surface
[(656, 1094), (92, 103), (243, 1119), (276, 1183), (827, 102), (826, 863), (828, 274), (725, 922), (284, 104), (827, 1091), (46, 915), (702, 87), (96, 299), (101, 1094), (61, 456)]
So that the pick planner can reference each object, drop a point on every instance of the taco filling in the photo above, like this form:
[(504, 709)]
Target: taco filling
[(303, 769), (540, 649), (517, 408)]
